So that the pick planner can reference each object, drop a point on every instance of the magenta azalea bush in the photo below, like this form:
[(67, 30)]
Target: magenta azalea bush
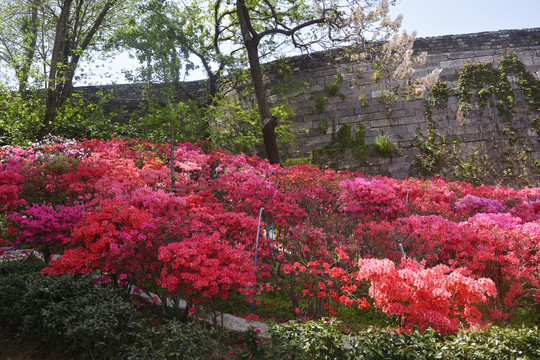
[(326, 240)]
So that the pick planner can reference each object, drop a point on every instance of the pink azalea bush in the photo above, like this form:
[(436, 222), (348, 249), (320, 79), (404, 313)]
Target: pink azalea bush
[(326, 240)]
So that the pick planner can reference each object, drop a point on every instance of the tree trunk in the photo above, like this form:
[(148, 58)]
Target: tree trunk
[(52, 91), (30, 49), (269, 122)]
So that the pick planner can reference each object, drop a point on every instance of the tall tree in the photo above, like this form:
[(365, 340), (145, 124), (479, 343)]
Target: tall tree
[(21, 22), (171, 41), (78, 24), (263, 28)]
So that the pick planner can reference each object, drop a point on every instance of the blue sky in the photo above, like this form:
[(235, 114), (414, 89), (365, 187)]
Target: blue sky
[(450, 17), (427, 17)]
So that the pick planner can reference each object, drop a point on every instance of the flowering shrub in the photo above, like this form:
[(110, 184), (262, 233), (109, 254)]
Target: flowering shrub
[(436, 297), (206, 266), (46, 226), (471, 204), (371, 199), (114, 207), (10, 184)]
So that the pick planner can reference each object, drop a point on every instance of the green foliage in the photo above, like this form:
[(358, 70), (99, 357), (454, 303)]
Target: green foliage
[(363, 100), (307, 340), (432, 148), (173, 340), (237, 129), (186, 120), (322, 340), (496, 343), (320, 104), (343, 139), (384, 145), (492, 83), (388, 99), (359, 148), (14, 276), (342, 142), (66, 310), (296, 161), (528, 84), (102, 322), (474, 168), (20, 119), (488, 82), (285, 136), (78, 119), (491, 343), (251, 347), (91, 321), (234, 128), (333, 88), (377, 75), (382, 344), (438, 94), (324, 126)]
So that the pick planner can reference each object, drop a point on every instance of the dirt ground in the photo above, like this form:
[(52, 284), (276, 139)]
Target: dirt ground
[(12, 348)]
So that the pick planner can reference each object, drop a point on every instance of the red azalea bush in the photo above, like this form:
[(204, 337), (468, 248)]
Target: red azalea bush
[(110, 207), (438, 297)]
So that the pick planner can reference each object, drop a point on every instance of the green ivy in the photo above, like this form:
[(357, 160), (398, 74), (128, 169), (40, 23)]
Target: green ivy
[(342, 142), (432, 148), (438, 94), (384, 145), (320, 104), (488, 83), (528, 84), (324, 126), (359, 148)]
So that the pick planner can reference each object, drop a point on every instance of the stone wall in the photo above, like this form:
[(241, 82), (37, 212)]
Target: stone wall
[(358, 103)]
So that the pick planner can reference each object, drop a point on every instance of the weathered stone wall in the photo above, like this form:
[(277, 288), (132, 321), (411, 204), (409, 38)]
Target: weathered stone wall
[(358, 103), (127, 100)]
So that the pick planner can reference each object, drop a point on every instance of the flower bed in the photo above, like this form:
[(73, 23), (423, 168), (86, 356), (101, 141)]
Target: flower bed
[(236, 225)]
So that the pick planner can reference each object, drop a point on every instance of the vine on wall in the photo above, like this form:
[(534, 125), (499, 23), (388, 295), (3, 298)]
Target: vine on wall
[(491, 86), (343, 143), (481, 85)]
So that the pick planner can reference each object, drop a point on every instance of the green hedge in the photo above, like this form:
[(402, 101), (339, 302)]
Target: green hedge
[(321, 340), (89, 321)]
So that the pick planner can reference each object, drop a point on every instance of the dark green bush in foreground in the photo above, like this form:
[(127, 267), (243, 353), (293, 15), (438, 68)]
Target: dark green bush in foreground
[(321, 340), (174, 340), (93, 322)]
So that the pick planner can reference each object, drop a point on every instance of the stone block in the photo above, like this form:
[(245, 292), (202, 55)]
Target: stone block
[(461, 55), (397, 114), (453, 64), (527, 61), (349, 111), (480, 53), (399, 130), (375, 116), (379, 123), (436, 58)]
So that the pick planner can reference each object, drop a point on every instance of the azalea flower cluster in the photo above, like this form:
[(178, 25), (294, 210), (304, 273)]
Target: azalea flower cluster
[(234, 224)]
